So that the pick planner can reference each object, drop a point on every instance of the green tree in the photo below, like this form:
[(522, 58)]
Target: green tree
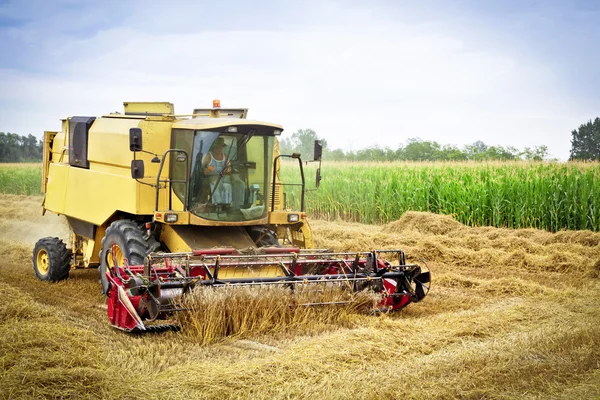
[(335, 155), (419, 150), (16, 148), (452, 153), (585, 141), (538, 153), (476, 151), (499, 153), (302, 141), (479, 151)]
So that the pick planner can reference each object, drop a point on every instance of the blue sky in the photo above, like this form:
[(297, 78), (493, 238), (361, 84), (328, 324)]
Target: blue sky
[(520, 73)]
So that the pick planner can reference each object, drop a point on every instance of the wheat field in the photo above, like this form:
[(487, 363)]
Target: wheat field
[(511, 314)]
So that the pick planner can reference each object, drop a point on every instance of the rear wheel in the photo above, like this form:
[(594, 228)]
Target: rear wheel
[(51, 259), (127, 239)]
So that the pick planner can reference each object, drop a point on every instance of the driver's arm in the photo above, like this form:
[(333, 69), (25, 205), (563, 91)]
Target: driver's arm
[(207, 169), (227, 166)]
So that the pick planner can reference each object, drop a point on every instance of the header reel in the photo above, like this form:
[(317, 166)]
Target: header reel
[(144, 297)]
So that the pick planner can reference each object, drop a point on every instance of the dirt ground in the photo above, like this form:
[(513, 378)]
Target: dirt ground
[(511, 314)]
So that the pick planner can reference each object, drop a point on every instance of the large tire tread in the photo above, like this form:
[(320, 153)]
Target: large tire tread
[(59, 259), (129, 235)]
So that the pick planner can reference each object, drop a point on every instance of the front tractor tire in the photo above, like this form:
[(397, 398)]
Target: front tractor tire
[(51, 259), (130, 243)]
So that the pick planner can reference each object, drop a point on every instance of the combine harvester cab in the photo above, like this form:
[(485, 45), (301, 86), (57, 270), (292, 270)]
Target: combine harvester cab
[(164, 203)]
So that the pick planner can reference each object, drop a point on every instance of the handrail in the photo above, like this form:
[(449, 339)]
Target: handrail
[(171, 181)]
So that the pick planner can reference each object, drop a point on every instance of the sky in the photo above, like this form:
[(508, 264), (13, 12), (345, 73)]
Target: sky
[(360, 73)]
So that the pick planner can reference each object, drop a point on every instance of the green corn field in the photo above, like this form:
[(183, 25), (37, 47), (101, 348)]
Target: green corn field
[(550, 196), (21, 178)]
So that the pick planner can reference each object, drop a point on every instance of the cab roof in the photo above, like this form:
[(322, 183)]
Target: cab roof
[(211, 123)]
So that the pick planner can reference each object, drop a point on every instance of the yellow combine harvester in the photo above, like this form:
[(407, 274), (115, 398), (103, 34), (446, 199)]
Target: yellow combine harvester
[(163, 203)]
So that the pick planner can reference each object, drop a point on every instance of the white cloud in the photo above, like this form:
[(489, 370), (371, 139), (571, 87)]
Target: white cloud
[(358, 80)]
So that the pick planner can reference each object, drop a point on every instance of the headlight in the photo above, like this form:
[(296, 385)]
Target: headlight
[(293, 217), (170, 217)]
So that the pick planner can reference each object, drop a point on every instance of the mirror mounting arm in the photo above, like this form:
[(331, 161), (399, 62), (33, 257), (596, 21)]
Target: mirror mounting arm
[(137, 166)]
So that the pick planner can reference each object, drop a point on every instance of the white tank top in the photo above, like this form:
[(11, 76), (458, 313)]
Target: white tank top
[(216, 164)]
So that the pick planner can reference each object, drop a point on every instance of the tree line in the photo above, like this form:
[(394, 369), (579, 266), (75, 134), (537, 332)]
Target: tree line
[(17, 148), (414, 149), (585, 146)]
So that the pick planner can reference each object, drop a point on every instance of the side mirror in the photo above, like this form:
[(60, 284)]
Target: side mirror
[(318, 181), (318, 150), (135, 139), (137, 169)]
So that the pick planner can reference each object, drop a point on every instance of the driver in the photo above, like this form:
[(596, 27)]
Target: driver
[(215, 160), (213, 163)]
